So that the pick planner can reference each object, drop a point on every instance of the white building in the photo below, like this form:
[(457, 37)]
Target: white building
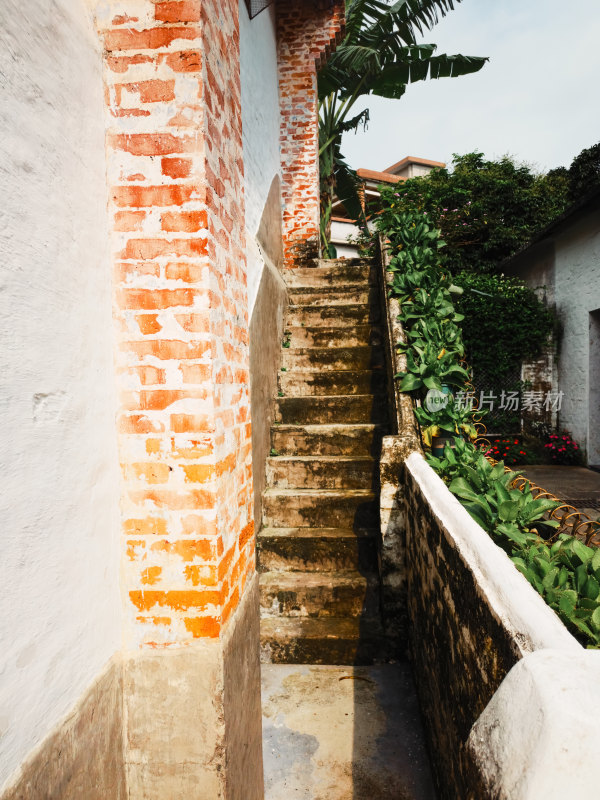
[(565, 259)]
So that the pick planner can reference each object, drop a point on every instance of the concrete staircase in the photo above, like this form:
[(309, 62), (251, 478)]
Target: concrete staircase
[(317, 550)]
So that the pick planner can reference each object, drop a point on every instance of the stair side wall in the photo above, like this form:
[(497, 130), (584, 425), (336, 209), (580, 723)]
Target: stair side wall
[(266, 332)]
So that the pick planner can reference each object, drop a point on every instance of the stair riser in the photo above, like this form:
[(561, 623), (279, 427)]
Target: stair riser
[(353, 358), (304, 443), (306, 554), (319, 601), (358, 336), (290, 511), (319, 475), (321, 651), (341, 382), (326, 410), (333, 296), (332, 316), (324, 276)]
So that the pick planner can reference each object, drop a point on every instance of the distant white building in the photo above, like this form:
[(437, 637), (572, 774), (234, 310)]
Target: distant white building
[(343, 229), (565, 260)]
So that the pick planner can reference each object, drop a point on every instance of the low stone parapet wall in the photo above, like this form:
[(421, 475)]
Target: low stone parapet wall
[(494, 665)]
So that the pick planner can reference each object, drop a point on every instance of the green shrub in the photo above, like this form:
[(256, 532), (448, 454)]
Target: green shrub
[(505, 323)]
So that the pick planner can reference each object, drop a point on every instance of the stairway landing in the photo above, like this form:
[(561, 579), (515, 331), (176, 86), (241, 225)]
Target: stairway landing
[(343, 733)]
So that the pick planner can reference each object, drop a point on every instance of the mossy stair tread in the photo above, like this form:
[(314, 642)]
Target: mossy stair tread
[(338, 315), (287, 628), (339, 274), (307, 550), (332, 408), (338, 383), (327, 439), (333, 335), (317, 533), (328, 359), (299, 580), (323, 494), (340, 292), (352, 261), (283, 459), (331, 428)]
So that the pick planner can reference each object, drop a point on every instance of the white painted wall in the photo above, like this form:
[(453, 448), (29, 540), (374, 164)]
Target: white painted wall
[(260, 127), (59, 598), (577, 293), (537, 737)]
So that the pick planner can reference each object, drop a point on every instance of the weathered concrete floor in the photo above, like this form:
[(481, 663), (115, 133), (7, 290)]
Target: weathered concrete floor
[(575, 485), (343, 733)]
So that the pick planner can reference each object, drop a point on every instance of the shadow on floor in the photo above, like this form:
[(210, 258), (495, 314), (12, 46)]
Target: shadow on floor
[(343, 733)]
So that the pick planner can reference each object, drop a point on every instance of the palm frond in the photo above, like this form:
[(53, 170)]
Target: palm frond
[(379, 55)]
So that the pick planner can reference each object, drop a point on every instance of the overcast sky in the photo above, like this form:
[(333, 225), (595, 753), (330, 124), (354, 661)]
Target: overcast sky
[(538, 98)]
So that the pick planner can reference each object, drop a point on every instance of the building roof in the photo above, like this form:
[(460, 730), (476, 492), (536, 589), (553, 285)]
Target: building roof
[(382, 177), (586, 204), (425, 162)]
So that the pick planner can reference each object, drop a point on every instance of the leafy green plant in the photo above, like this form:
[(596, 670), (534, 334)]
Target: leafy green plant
[(485, 491), (452, 419), (567, 575), (424, 291), (566, 572), (562, 569)]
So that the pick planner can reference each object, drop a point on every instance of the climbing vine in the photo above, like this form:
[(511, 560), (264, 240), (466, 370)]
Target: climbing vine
[(505, 323)]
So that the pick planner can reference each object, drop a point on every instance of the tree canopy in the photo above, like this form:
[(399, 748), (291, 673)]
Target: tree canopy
[(486, 210), (584, 173)]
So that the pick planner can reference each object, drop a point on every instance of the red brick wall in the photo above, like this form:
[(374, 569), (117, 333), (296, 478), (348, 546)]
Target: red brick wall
[(306, 32), (175, 173)]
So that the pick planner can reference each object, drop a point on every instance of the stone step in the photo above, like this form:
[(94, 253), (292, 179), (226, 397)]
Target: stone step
[(340, 316), (325, 274), (320, 336), (339, 295), (320, 508), (318, 594), (354, 261), (325, 640), (333, 382), (327, 410), (327, 440), (308, 550), (322, 472), (332, 358)]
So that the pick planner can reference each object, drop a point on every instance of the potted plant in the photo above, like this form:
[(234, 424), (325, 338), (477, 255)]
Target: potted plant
[(441, 425)]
